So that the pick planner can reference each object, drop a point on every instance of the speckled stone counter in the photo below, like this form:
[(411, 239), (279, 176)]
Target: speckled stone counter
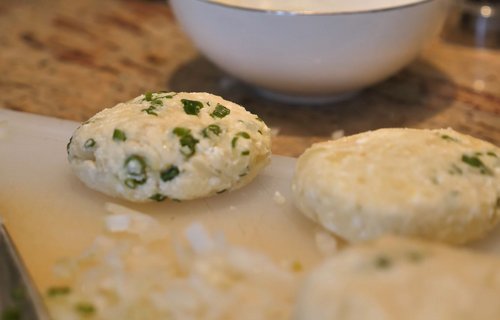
[(70, 59)]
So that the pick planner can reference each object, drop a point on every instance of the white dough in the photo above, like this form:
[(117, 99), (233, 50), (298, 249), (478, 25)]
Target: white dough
[(434, 184), (395, 278), (135, 152)]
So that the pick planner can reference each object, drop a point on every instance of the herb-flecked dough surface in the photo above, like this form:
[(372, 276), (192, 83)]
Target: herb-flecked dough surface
[(395, 278), (435, 184), (163, 145)]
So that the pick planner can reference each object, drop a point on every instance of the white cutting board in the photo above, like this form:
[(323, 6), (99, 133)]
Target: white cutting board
[(51, 215)]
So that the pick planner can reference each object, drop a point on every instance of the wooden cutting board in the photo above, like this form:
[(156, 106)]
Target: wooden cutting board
[(51, 215)]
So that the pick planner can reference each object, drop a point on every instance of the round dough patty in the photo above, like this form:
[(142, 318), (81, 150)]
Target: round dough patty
[(434, 184), (170, 145), (395, 279)]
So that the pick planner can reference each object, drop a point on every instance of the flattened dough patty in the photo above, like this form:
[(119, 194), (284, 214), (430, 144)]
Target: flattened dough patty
[(434, 184), (396, 278), (170, 145)]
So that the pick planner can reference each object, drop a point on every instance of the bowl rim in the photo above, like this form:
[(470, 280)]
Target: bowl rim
[(312, 13)]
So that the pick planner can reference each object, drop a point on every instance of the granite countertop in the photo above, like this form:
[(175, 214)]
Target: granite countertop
[(70, 59)]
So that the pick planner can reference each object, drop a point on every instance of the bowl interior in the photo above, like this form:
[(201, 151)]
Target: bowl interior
[(317, 6)]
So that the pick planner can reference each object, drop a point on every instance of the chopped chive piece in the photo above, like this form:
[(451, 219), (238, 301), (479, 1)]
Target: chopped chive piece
[(85, 308), (213, 128), (492, 154), (157, 101), (243, 134), (89, 143), (69, 144), (119, 135), (148, 96), (475, 162), (245, 153), (181, 132), (151, 111), (135, 165), (58, 291), (187, 141), (221, 191), (131, 183), (136, 170), (192, 107), (12, 313), (158, 197), (220, 111), (447, 137), (169, 173), (382, 262)]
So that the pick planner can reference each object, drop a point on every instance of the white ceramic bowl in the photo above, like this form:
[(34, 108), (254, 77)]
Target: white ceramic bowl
[(310, 48)]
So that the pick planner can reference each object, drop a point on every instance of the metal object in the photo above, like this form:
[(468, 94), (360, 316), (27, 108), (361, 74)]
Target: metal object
[(19, 298), (474, 23)]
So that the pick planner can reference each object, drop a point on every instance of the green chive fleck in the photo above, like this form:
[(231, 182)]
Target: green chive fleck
[(151, 111), (85, 308), (475, 162), (148, 96), (447, 137), (192, 107), (187, 141), (157, 101), (212, 128), (119, 135), (382, 262), (169, 173), (58, 291), (89, 143), (242, 134), (158, 197), (245, 153), (220, 111), (221, 191), (492, 154), (136, 170), (181, 132), (12, 313), (132, 183)]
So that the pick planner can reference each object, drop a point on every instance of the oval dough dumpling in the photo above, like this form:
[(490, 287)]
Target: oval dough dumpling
[(170, 145), (434, 184), (393, 279)]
